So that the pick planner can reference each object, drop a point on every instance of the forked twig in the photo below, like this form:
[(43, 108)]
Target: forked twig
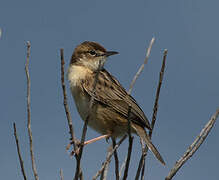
[(19, 153), (142, 66), (108, 158), (29, 113), (141, 166), (131, 87), (194, 146)]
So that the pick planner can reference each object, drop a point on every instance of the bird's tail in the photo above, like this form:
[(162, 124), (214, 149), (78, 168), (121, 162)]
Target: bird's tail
[(143, 135)]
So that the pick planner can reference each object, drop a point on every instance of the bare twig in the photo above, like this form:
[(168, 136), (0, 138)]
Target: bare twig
[(145, 150), (142, 66), (65, 100), (105, 170), (144, 154), (67, 112), (139, 167), (61, 174), (108, 158), (19, 153), (84, 131), (116, 160), (158, 93), (141, 163), (122, 167), (129, 92), (104, 173), (194, 146), (130, 146), (29, 114), (81, 177), (143, 169)]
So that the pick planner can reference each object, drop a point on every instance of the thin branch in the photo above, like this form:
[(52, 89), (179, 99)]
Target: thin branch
[(103, 174), (116, 160), (154, 116), (105, 170), (84, 131), (142, 66), (108, 158), (142, 160), (158, 93), (29, 113), (130, 146), (122, 167), (194, 146), (19, 153), (143, 169), (65, 100), (61, 174), (144, 154), (67, 112), (81, 177), (139, 167)]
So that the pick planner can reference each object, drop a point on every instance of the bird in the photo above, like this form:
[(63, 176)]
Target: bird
[(108, 114)]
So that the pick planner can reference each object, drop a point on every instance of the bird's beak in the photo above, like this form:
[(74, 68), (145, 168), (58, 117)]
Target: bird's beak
[(110, 53)]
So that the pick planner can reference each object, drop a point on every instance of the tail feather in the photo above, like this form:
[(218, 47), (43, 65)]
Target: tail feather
[(143, 135)]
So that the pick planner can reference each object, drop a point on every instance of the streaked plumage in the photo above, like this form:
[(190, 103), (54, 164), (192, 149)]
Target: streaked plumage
[(111, 101)]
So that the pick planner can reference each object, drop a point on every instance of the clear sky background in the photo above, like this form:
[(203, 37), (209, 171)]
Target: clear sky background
[(189, 95)]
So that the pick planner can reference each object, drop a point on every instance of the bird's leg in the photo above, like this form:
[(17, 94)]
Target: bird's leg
[(97, 139), (86, 142)]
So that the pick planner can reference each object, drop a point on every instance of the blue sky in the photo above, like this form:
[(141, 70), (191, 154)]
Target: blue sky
[(189, 96)]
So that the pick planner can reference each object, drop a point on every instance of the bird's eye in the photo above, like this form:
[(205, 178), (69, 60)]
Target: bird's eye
[(92, 53)]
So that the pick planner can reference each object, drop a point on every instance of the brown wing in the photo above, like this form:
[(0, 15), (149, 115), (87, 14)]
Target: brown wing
[(111, 93)]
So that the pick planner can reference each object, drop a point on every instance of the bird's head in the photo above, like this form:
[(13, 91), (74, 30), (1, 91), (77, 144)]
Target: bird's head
[(91, 55)]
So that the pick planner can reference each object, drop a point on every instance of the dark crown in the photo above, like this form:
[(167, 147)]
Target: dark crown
[(84, 47)]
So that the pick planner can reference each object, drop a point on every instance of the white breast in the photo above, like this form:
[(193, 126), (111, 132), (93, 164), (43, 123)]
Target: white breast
[(75, 75)]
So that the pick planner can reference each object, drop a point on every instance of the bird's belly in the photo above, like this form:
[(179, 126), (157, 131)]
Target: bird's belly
[(102, 118), (81, 102)]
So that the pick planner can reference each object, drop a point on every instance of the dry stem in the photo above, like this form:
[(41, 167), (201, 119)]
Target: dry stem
[(67, 112), (65, 100), (116, 160), (108, 158), (154, 117), (61, 174), (141, 166), (19, 153), (141, 163), (142, 66), (130, 146), (129, 92), (29, 113), (105, 170), (194, 146)]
